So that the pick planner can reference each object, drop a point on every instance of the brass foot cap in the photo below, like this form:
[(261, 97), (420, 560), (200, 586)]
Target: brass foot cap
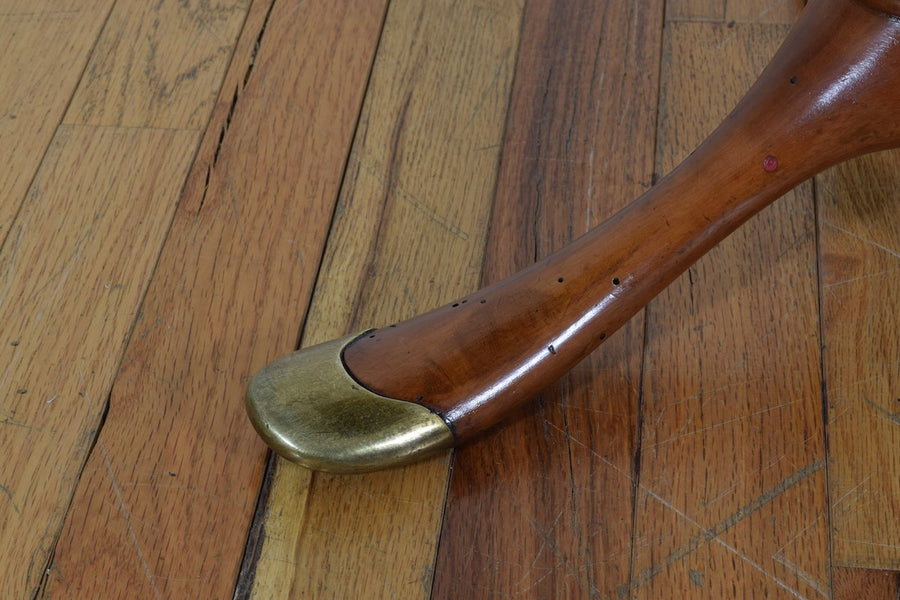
[(308, 408)]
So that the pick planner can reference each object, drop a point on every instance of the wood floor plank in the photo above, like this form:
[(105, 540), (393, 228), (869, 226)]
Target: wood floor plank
[(734, 11), (43, 51), (409, 234), (763, 11), (732, 485), (74, 269), (853, 584), (695, 10), (859, 233), (166, 499), (158, 64), (542, 507)]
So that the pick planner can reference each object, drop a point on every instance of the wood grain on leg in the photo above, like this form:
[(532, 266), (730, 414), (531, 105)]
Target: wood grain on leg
[(409, 234), (166, 499)]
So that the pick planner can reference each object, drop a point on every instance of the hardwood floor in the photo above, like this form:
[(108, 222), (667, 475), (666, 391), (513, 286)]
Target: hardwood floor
[(192, 189)]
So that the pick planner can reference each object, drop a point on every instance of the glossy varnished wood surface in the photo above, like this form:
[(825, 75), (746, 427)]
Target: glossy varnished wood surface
[(829, 94), (192, 190)]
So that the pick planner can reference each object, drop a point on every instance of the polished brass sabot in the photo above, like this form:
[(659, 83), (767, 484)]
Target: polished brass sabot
[(308, 408)]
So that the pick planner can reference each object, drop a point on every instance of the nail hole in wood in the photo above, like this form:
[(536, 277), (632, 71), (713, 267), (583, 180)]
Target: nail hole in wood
[(560, 280), (603, 336), (483, 301), (551, 349), (455, 304), (616, 281), (793, 80)]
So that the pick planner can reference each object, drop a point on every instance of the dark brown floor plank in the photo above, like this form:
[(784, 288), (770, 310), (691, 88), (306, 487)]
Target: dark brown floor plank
[(542, 507)]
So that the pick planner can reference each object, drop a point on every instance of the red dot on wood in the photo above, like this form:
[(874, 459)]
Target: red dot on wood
[(770, 164)]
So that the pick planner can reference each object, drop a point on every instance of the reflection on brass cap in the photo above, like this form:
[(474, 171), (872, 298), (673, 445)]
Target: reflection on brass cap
[(311, 411)]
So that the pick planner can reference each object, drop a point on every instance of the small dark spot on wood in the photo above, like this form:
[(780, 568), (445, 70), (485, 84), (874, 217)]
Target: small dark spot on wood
[(731, 24), (394, 325), (419, 398), (455, 304), (464, 301), (616, 281), (794, 79), (603, 336), (21, 391), (14, 344), (483, 301), (171, 473), (551, 349), (560, 280), (371, 336)]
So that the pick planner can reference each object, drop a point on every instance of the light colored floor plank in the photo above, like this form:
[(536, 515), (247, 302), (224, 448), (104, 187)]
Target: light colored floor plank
[(860, 255), (75, 266), (732, 483), (408, 235), (43, 51), (158, 64), (166, 500), (74, 269)]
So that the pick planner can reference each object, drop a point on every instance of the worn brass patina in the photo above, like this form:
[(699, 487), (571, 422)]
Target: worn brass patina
[(311, 411)]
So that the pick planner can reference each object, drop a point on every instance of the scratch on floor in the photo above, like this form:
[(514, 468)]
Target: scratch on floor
[(892, 417), (683, 434), (807, 578), (396, 188), (125, 514), (623, 590), (866, 241), (9, 495), (857, 279), (22, 425), (708, 535)]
